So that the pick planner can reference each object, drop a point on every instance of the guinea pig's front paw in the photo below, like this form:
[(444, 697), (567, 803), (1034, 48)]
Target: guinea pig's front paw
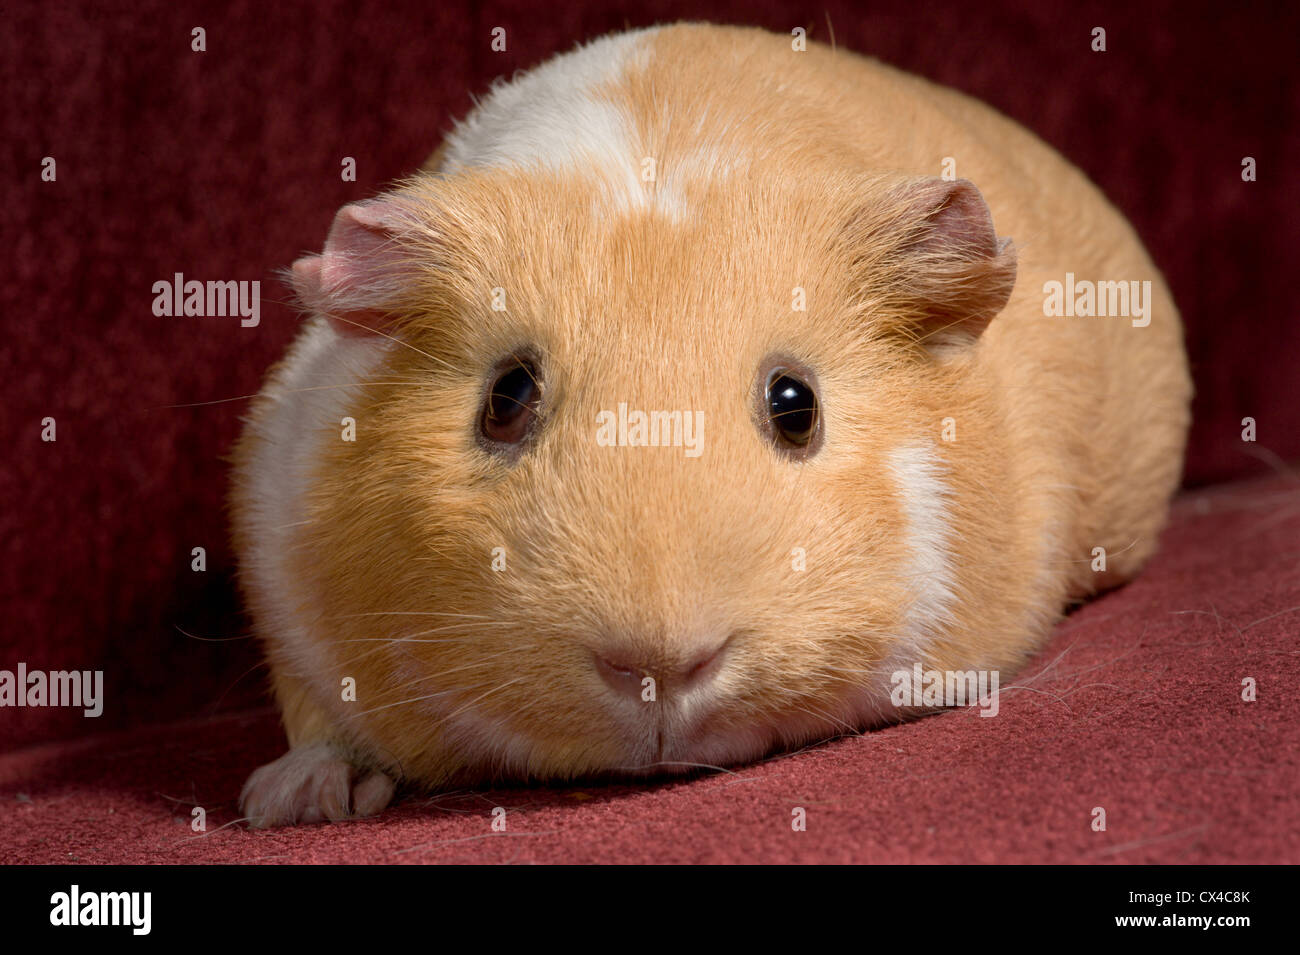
[(310, 784)]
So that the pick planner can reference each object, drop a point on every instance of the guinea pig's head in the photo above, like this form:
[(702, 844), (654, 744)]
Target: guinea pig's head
[(637, 487)]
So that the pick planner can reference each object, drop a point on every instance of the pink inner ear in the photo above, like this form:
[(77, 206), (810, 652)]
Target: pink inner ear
[(966, 272), (963, 221), (359, 275)]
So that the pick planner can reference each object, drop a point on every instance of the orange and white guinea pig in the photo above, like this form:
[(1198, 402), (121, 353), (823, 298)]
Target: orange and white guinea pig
[(697, 384)]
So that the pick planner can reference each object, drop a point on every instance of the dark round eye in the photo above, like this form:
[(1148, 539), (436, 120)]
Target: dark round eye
[(511, 404), (791, 409)]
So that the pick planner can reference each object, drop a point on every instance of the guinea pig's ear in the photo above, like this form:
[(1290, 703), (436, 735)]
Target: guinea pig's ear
[(953, 270), (360, 276)]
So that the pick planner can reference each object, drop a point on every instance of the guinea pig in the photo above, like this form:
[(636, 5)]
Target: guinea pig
[(701, 382)]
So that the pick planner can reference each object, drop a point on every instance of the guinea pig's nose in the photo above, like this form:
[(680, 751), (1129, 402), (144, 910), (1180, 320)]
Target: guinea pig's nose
[(628, 677)]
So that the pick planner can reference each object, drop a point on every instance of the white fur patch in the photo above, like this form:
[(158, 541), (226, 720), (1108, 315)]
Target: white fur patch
[(918, 473), (309, 395), (551, 116), (928, 574)]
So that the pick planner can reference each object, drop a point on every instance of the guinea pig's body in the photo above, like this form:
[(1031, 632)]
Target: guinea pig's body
[(683, 220)]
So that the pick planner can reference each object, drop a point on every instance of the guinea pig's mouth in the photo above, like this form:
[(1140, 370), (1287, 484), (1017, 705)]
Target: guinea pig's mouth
[(664, 755), (710, 746), (705, 731), (685, 712), (684, 740), (667, 710)]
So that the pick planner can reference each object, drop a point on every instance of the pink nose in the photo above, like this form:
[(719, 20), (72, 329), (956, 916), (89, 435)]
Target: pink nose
[(629, 678)]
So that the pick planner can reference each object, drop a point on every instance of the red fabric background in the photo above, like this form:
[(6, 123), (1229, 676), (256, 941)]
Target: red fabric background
[(225, 165)]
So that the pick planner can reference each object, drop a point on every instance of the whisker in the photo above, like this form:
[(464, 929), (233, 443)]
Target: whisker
[(246, 636), (414, 699), (404, 344), (467, 666), (411, 613), (287, 391), (680, 762), (480, 697)]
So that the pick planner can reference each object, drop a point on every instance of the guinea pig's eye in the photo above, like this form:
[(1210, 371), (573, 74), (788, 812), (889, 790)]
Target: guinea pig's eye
[(511, 404), (793, 416)]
